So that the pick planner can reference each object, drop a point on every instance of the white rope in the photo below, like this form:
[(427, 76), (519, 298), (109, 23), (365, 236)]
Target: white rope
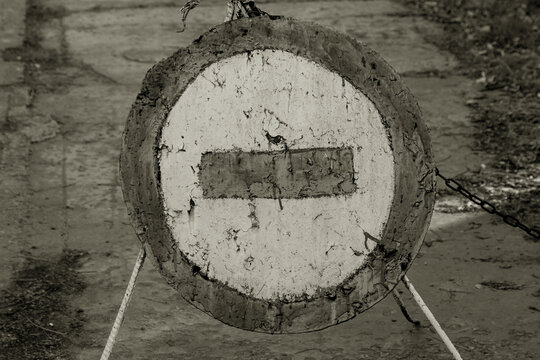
[(125, 302), (431, 318), (190, 5), (231, 6)]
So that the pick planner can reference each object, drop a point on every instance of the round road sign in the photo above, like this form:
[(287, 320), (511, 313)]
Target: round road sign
[(279, 174)]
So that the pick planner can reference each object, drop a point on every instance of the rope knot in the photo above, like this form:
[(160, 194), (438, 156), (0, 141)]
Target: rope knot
[(236, 9)]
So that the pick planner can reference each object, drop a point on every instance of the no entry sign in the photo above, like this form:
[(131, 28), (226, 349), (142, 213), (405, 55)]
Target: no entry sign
[(279, 174)]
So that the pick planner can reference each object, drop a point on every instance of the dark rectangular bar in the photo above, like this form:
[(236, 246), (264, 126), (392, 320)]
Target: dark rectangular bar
[(290, 174)]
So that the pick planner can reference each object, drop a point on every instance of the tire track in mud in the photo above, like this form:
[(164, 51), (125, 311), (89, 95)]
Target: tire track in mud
[(37, 320)]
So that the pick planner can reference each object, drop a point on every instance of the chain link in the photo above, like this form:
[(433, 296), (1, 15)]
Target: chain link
[(486, 206)]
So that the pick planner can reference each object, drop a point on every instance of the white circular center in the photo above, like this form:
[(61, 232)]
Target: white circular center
[(263, 247)]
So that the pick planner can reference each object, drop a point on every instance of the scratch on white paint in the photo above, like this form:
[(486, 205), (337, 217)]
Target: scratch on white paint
[(286, 254)]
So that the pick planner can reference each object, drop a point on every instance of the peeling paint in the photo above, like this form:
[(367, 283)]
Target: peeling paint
[(178, 241), (291, 174), (317, 168), (276, 140), (253, 216)]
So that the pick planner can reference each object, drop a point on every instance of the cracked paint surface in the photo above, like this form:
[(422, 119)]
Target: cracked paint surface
[(275, 248), (277, 174)]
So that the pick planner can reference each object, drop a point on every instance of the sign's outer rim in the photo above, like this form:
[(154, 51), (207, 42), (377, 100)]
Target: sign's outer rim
[(413, 168)]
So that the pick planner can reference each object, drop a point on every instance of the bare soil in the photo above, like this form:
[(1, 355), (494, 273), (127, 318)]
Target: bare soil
[(36, 318)]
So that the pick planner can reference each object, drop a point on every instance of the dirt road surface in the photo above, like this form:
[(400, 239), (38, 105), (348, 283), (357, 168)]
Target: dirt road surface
[(68, 75)]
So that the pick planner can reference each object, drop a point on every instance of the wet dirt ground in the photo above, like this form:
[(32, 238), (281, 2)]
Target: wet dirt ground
[(75, 68)]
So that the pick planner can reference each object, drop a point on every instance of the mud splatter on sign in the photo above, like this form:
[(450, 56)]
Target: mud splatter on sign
[(316, 146), (267, 259), (294, 173)]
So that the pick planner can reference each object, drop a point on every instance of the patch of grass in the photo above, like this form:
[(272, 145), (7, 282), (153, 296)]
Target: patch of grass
[(36, 320), (498, 45)]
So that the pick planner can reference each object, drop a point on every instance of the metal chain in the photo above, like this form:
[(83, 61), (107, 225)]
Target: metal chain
[(488, 207)]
